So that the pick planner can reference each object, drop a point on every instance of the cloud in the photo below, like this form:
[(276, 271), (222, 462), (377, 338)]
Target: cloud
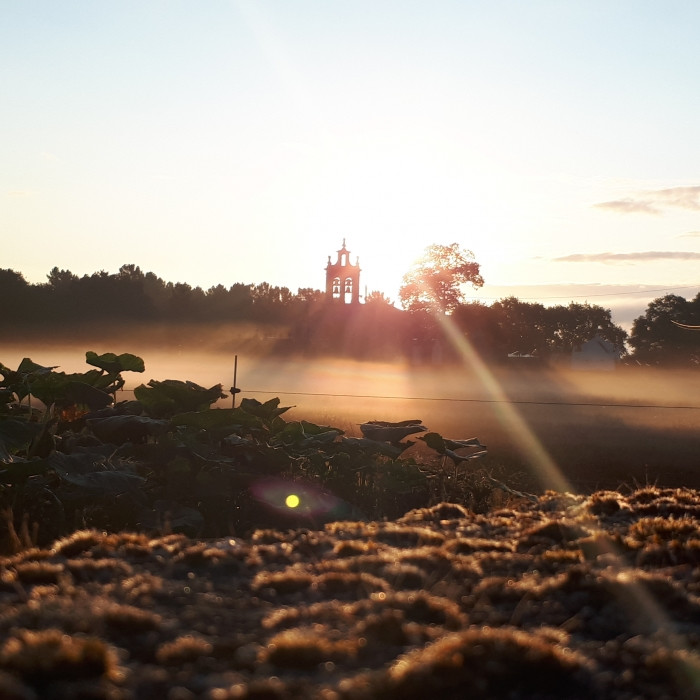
[(629, 206), (690, 234), (645, 256), (654, 201), (683, 197), (17, 194)]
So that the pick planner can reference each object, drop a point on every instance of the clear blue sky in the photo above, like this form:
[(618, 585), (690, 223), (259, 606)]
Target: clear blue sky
[(241, 141)]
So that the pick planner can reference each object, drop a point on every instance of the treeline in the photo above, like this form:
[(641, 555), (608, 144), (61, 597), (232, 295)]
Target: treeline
[(374, 330), (132, 295)]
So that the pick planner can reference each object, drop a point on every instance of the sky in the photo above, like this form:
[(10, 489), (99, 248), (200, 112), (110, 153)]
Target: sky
[(242, 140)]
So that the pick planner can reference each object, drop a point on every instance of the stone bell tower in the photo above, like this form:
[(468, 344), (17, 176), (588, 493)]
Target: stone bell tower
[(343, 278)]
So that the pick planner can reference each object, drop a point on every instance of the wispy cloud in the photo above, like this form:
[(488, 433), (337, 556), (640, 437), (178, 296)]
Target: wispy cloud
[(655, 201), (17, 194), (690, 234), (630, 206), (644, 256)]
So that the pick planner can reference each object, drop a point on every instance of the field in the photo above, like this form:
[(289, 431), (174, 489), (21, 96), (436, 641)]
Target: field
[(558, 428), (565, 597), (590, 589)]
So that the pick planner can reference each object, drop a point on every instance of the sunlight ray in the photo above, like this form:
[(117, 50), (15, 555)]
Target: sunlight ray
[(545, 468), (639, 601)]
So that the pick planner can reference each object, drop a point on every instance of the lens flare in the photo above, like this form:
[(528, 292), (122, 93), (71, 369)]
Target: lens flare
[(301, 500)]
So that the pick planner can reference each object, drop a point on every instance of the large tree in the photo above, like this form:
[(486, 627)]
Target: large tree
[(436, 280), (571, 326), (659, 338)]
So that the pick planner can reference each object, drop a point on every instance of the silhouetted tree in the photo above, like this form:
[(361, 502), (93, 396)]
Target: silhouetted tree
[(435, 281), (16, 294), (522, 327), (657, 340), (269, 302), (378, 298), (61, 279), (308, 294), (571, 326), (479, 324)]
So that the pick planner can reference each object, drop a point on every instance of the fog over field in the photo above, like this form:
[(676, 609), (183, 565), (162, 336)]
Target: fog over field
[(545, 428)]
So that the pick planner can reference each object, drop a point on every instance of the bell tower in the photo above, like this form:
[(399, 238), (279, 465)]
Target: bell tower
[(343, 278)]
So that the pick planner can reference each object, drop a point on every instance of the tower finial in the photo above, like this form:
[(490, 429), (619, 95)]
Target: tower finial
[(343, 242)]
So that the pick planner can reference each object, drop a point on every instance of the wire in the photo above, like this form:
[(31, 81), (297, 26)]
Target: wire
[(435, 398)]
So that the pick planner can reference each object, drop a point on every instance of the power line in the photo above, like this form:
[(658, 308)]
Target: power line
[(456, 400)]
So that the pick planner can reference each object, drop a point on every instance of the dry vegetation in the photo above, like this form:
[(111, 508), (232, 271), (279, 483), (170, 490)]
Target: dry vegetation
[(575, 596), (571, 596)]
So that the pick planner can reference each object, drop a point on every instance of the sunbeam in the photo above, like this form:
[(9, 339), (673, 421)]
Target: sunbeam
[(632, 592), (545, 468)]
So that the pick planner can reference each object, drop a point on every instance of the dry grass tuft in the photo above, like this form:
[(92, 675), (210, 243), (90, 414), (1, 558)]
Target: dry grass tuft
[(184, 649), (305, 648), (50, 654), (488, 663)]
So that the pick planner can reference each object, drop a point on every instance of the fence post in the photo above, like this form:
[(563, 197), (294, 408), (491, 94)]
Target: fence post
[(234, 389)]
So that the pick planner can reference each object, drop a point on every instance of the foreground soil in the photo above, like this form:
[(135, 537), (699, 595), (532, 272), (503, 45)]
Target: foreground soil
[(567, 597)]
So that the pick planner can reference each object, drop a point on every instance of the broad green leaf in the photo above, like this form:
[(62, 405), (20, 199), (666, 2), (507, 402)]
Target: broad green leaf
[(447, 447), (304, 434), (102, 485), (126, 428), (314, 429), (6, 396), (217, 418), (114, 364), (18, 380), (17, 472), (268, 411), (390, 432), (27, 367), (17, 435), (170, 396), (82, 393), (434, 441), (372, 447), (91, 473)]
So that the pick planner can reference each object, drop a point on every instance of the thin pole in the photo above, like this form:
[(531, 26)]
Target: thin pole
[(234, 388)]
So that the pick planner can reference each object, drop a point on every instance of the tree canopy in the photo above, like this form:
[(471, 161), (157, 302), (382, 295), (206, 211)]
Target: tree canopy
[(659, 337), (435, 281), (663, 336)]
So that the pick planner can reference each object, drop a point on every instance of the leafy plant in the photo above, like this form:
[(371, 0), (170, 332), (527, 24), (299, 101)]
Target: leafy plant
[(170, 461)]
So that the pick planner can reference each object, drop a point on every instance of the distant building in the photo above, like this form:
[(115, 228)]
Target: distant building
[(596, 354), (343, 278)]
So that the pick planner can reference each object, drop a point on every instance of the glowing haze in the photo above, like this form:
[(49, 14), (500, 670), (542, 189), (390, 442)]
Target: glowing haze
[(241, 141)]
